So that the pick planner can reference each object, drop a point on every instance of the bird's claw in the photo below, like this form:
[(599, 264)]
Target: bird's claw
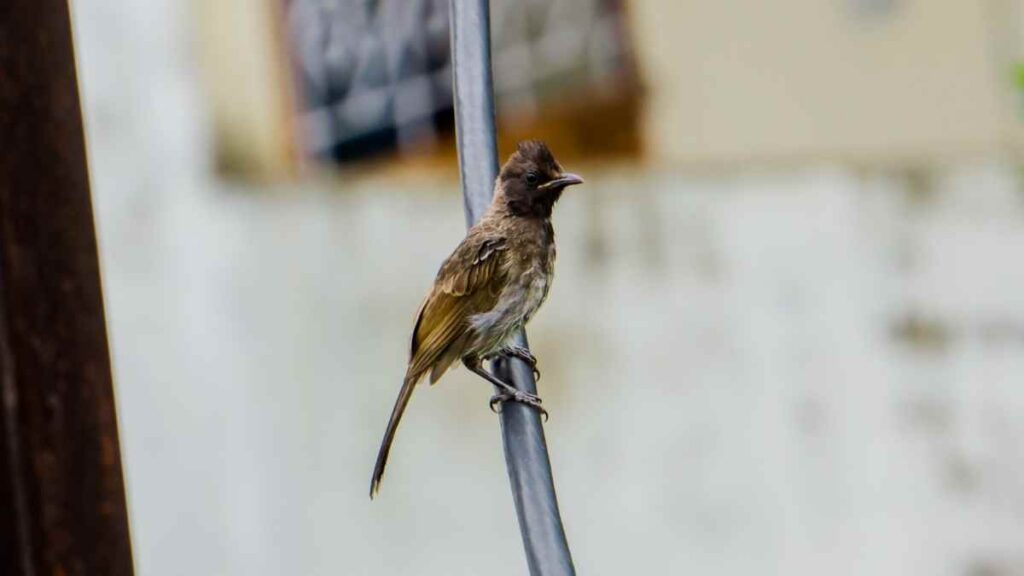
[(524, 355), (521, 353), (520, 397)]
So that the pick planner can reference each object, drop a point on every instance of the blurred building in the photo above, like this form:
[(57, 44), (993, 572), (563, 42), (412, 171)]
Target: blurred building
[(866, 82), (362, 79), (765, 352)]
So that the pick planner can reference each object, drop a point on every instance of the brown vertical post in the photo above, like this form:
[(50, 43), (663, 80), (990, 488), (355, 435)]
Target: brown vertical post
[(62, 500)]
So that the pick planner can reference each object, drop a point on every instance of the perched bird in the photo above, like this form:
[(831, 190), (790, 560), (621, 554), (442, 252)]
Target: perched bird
[(490, 286)]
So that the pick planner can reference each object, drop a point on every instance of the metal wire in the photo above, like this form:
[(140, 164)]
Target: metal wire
[(526, 452)]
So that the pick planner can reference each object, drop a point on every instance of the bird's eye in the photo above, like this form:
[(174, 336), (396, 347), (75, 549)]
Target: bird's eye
[(531, 178)]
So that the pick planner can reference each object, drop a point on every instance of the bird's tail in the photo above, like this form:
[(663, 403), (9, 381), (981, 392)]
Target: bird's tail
[(389, 435)]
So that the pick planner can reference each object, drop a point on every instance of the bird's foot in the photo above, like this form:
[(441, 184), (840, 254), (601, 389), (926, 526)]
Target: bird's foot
[(520, 397), (524, 355), (519, 352)]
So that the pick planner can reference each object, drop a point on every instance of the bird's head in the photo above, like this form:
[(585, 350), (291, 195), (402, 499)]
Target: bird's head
[(531, 181)]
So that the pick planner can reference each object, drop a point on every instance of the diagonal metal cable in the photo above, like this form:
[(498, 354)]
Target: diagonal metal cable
[(526, 452)]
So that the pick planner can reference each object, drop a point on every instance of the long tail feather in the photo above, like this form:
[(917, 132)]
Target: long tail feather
[(389, 435)]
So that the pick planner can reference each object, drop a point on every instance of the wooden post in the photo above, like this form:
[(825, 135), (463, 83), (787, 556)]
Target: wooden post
[(62, 500)]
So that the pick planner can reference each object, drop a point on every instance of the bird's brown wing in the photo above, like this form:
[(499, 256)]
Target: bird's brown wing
[(468, 283)]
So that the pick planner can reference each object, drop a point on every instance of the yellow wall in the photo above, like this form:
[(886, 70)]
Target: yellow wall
[(733, 80), (248, 86)]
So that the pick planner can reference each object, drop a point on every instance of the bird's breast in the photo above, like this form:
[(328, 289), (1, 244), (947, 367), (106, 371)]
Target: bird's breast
[(536, 291), (529, 272), (535, 279)]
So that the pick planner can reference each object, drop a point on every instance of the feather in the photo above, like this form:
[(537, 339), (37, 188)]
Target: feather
[(468, 284)]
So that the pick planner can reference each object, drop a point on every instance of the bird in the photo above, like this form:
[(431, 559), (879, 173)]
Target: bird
[(489, 287)]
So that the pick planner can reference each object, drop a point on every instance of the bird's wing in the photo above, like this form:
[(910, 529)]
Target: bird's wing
[(468, 283)]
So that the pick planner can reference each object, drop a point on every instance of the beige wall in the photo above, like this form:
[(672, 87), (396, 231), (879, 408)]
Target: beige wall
[(805, 79), (247, 86)]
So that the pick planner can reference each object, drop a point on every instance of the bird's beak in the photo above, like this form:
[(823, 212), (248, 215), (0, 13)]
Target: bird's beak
[(566, 179)]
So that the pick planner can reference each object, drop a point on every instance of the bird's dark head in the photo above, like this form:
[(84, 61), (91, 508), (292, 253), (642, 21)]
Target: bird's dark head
[(532, 181)]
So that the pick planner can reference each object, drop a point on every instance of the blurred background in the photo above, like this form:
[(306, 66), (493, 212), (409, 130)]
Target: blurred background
[(787, 334)]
